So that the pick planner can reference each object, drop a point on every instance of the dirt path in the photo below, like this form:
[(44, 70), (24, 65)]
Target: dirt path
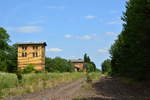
[(106, 89), (113, 89), (65, 91)]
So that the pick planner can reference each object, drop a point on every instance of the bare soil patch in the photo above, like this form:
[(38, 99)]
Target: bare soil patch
[(107, 88), (65, 91)]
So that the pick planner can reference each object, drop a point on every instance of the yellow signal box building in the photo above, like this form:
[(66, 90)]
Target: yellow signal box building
[(31, 53)]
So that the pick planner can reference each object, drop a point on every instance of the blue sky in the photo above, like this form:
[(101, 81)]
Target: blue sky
[(70, 27)]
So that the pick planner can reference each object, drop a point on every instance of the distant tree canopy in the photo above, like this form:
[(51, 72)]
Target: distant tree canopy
[(87, 58), (8, 54), (58, 65), (106, 66), (130, 53), (89, 65)]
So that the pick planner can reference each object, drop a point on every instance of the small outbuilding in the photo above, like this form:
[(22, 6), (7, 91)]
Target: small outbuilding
[(78, 64)]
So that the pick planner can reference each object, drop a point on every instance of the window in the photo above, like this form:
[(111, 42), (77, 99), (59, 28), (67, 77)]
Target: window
[(24, 47), (35, 47), (24, 54), (35, 54)]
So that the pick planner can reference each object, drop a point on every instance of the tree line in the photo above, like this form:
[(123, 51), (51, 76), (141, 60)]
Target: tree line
[(130, 54), (8, 54), (8, 59), (58, 64)]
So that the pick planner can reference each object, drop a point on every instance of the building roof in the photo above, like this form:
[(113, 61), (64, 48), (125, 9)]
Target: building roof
[(76, 60), (32, 43)]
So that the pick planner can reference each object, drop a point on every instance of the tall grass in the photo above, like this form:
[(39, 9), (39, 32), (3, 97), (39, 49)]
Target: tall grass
[(9, 84), (8, 80), (94, 76)]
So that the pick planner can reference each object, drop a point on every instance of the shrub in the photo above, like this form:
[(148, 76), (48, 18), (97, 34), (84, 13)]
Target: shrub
[(19, 76), (88, 79), (29, 68), (106, 66)]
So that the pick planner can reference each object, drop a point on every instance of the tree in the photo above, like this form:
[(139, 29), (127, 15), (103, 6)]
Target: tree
[(50, 65), (94, 66), (12, 59), (58, 65), (106, 66), (89, 65), (131, 52), (4, 39)]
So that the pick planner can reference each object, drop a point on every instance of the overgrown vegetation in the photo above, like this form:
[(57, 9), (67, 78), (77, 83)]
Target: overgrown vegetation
[(8, 55), (130, 54), (91, 77), (58, 65), (28, 69), (10, 85), (106, 66), (89, 65)]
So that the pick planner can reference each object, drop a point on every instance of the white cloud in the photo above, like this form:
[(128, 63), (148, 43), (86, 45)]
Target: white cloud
[(89, 17), (114, 22), (102, 51), (61, 7), (26, 29), (111, 33), (84, 37), (54, 50), (87, 37), (68, 36)]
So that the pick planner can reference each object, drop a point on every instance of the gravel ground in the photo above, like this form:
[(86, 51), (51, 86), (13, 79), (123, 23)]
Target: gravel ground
[(65, 91), (106, 89), (109, 88)]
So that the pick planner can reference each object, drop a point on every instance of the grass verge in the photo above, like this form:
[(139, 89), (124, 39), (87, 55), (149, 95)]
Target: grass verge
[(10, 86)]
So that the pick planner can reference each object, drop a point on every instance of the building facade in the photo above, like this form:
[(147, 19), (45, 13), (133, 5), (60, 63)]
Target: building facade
[(31, 54), (78, 64)]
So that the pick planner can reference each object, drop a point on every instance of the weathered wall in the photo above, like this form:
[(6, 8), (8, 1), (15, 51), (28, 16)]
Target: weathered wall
[(78, 65), (38, 62)]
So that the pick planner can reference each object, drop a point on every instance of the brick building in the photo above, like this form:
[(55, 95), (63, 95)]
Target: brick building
[(78, 64), (31, 53)]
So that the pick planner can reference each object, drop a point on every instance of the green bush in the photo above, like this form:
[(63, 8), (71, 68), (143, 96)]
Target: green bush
[(58, 65), (28, 69), (19, 76), (106, 66), (88, 79)]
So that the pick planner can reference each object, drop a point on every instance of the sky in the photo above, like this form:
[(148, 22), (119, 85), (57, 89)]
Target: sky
[(70, 28)]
